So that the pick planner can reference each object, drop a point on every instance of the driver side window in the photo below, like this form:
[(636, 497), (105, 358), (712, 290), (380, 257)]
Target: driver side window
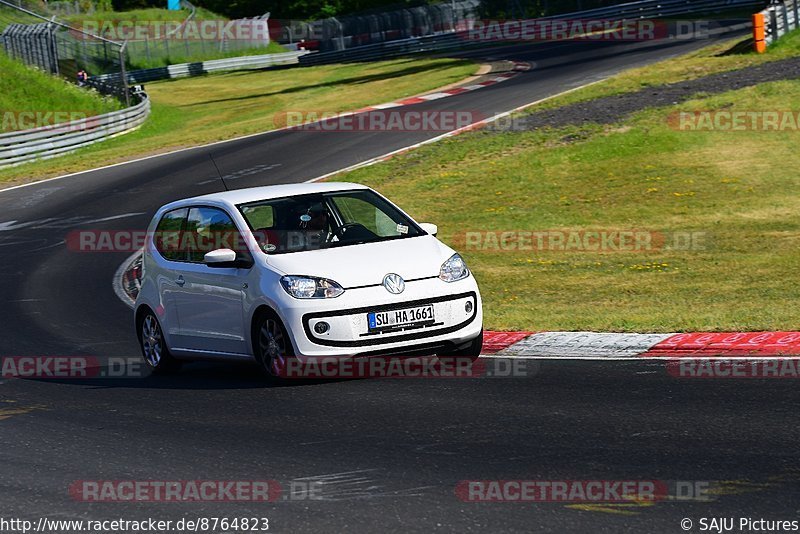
[(356, 210), (210, 229)]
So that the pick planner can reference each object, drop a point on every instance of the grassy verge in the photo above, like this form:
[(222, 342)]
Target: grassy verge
[(24, 89), (204, 109), (11, 16), (733, 192)]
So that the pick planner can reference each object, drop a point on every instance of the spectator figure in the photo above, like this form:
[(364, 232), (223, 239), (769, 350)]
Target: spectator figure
[(82, 78)]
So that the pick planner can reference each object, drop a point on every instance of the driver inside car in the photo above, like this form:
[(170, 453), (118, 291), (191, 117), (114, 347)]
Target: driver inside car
[(313, 228)]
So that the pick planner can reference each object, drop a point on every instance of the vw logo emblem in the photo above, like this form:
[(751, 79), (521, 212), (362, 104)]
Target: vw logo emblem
[(394, 283)]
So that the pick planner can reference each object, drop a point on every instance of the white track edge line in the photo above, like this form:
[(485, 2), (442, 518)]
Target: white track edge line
[(207, 145), (378, 159)]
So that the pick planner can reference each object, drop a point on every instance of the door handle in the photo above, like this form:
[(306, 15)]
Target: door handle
[(180, 281)]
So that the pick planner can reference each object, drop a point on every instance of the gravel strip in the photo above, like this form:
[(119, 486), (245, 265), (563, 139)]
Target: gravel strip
[(612, 109)]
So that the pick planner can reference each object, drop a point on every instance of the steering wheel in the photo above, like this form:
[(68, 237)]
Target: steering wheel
[(343, 229)]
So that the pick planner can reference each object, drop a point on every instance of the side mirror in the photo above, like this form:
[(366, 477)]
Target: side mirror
[(225, 258), (430, 228)]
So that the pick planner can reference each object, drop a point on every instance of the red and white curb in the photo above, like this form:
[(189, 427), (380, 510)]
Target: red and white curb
[(518, 67), (619, 346), (582, 345)]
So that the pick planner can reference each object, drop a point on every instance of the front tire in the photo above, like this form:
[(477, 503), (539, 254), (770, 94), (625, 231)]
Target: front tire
[(271, 344), (456, 358), (154, 348), (473, 350)]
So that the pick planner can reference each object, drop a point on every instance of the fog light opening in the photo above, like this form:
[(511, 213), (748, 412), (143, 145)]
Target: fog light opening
[(321, 327), (468, 307)]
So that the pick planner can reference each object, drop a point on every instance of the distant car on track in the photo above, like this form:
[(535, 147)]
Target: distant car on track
[(295, 271)]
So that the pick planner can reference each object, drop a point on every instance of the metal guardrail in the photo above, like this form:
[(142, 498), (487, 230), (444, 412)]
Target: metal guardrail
[(203, 67), (455, 40), (389, 49), (55, 140), (780, 18)]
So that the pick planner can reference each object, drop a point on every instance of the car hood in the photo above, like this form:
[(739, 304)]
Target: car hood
[(366, 264)]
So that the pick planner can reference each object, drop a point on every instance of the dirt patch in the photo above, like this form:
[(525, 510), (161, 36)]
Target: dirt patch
[(612, 109)]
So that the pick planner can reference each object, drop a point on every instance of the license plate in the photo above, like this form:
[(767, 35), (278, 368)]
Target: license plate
[(395, 318)]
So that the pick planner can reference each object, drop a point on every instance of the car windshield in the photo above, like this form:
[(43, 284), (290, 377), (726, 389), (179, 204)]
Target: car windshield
[(317, 221)]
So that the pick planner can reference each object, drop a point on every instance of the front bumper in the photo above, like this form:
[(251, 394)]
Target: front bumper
[(458, 319)]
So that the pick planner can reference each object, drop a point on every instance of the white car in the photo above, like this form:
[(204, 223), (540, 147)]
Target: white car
[(298, 271)]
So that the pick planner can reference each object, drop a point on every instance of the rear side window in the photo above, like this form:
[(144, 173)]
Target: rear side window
[(168, 235)]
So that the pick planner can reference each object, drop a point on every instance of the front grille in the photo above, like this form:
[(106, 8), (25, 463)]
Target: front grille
[(418, 334)]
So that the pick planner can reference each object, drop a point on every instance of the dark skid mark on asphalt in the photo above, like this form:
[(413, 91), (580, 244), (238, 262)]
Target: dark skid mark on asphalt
[(611, 109)]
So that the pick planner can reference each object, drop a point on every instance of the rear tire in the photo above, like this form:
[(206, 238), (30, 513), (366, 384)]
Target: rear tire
[(156, 355), (271, 344)]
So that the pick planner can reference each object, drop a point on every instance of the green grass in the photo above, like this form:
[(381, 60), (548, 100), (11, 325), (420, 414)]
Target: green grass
[(737, 190), (12, 16), (24, 89), (192, 111)]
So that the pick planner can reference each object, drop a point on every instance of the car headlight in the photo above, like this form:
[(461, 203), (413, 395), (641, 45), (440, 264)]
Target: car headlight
[(454, 269), (308, 287)]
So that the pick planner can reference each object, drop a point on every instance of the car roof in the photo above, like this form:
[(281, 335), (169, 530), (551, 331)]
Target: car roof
[(254, 194)]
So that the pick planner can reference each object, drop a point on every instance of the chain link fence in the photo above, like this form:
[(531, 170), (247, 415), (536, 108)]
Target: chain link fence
[(30, 33), (158, 44), (58, 48)]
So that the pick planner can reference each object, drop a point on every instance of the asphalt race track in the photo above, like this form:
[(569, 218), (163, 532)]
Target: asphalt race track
[(387, 454)]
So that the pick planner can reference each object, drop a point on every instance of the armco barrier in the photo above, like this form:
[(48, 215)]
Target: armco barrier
[(215, 65), (388, 49), (777, 20), (452, 40), (54, 140)]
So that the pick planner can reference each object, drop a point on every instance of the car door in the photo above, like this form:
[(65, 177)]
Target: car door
[(209, 300), (169, 257)]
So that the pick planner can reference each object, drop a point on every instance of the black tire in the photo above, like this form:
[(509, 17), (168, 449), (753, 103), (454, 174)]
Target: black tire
[(456, 358), (271, 344), (472, 351), (155, 352)]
